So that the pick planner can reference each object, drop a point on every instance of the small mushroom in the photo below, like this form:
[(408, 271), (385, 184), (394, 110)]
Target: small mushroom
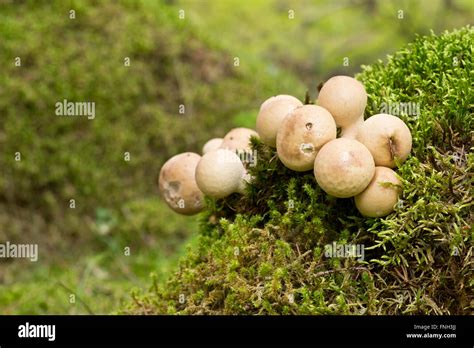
[(280, 97), (380, 197), (343, 167), (345, 98), (387, 137), (238, 139), (212, 144), (220, 173), (302, 134), (271, 115), (178, 186)]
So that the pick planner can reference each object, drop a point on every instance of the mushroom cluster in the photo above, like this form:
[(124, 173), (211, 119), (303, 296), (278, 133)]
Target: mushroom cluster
[(357, 164), (184, 179)]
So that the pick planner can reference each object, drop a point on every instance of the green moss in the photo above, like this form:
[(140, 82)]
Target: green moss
[(63, 158), (137, 106), (263, 253)]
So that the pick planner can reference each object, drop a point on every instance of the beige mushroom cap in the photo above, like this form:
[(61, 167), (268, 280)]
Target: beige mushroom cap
[(387, 137), (238, 139), (271, 115), (280, 97), (212, 144), (345, 98), (220, 173), (302, 134), (379, 198), (178, 186), (343, 167)]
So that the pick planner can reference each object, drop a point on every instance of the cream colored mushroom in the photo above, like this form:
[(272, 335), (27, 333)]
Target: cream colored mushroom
[(212, 144), (220, 173), (280, 97), (343, 167), (345, 98), (271, 115), (302, 134), (177, 184), (387, 137), (238, 139), (380, 197)]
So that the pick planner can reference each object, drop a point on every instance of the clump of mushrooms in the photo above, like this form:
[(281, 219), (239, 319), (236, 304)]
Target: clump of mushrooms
[(305, 137)]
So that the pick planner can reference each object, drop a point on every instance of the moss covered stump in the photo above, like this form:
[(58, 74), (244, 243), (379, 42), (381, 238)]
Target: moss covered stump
[(266, 252)]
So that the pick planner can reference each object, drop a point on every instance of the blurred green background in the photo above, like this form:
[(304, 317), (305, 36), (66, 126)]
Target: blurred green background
[(282, 47)]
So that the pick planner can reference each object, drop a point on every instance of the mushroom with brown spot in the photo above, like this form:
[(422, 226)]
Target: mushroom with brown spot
[(345, 98), (388, 139), (380, 197), (343, 167), (271, 115), (177, 184), (302, 134)]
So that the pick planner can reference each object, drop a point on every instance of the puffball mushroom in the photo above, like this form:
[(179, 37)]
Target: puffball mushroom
[(387, 137), (212, 144), (271, 115), (238, 139), (344, 167), (380, 197), (220, 173), (178, 186), (302, 134), (345, 98)]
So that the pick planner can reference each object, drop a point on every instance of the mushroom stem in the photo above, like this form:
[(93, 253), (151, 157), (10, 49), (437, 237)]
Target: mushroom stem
[(351, 131)]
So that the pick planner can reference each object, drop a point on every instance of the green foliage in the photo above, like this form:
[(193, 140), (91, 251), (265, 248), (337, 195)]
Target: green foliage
[(264, 252), (137, 106), (439, 80), (99, 281), (312, 37)]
